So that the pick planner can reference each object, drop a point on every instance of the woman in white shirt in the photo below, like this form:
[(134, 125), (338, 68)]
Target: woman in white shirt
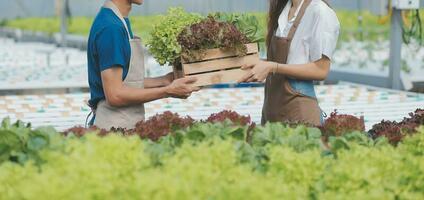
[(302, 36)]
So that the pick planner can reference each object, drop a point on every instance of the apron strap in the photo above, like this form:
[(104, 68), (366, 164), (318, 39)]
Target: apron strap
[(109, 4), (298, 19), (328, 4), (88, 123), (92, 113)]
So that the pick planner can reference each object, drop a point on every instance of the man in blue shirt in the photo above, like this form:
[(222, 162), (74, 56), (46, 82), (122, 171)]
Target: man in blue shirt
[(116, 70)]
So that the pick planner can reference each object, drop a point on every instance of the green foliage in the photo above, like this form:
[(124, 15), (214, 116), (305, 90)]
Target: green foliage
[(78, 25), (300, 138), (210, 33), (217, 161), (414, 145), (3, 22), (143, 25), (19, 143), (163, 44), (248, 24)]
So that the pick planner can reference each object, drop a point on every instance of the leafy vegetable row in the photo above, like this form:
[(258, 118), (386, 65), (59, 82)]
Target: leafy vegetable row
[(215, 161), (20, 143)]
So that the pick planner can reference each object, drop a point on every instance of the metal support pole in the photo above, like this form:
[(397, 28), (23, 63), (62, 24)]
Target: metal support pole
[(395, 49), (360, 21), (63, 23)]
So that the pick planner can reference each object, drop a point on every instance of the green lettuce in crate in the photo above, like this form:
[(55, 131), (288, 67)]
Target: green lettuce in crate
[(163, 44), (247, 24)]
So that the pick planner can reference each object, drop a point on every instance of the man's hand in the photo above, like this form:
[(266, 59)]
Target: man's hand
[(159, 81), (182, 88), (117, 94)]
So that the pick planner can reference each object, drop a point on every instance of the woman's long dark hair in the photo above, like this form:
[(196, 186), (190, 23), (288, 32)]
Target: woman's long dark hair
[(275, 9)]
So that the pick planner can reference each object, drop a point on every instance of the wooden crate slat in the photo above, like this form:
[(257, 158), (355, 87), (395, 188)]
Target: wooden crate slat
[(220, 64), (221, 53), (225, 76), (178, 73)]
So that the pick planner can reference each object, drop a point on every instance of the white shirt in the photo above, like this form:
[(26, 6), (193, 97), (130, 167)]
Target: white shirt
[(316, 35)]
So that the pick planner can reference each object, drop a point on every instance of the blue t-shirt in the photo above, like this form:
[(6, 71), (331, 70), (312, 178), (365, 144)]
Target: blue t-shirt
[(108, 46)]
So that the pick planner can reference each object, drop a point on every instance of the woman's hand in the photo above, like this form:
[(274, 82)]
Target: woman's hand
[(258, 71)]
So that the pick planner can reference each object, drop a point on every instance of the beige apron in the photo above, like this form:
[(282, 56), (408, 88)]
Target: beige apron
[(282, 103), (108, 116)]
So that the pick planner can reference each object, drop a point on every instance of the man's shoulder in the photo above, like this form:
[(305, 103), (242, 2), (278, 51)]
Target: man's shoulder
[(106, 20)]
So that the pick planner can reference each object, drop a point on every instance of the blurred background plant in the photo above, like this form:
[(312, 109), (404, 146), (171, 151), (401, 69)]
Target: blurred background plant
[(142, 25)]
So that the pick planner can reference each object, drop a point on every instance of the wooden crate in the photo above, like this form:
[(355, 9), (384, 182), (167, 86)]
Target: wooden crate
[(219, 66)]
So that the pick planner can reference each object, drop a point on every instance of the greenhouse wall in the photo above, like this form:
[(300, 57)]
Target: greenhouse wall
[(37, 8)]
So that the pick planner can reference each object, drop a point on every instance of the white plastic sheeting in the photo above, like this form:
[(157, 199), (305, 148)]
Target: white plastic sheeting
[(373, 58), (32, 65), (67, 110)]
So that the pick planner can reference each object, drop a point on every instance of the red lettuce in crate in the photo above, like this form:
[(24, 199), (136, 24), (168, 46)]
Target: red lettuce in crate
[(161, 125), (395, 131), (234, 117), (339, 124), (209, 34)]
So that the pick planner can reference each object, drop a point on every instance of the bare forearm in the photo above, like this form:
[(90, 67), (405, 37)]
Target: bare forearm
[(155, 82), (131, 96), (309, 71), (119, 95), (317, 70)]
